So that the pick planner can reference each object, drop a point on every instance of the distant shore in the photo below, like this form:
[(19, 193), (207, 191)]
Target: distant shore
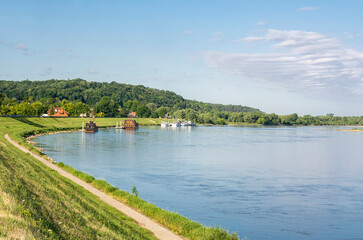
[(351, 130)]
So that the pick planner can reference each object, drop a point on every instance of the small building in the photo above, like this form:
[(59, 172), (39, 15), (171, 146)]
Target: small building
[(91, 114), (130, 124), (91, 127), (132, 115), (167, 116), (83, 115), (58, 112)]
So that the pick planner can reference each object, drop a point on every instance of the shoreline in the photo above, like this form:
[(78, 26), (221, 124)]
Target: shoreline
[(41, 150), (159, 216), (349, 130), (158, 230), (21, 132)]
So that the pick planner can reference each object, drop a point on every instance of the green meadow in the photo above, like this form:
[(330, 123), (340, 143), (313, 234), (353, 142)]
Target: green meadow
[(37, 203)]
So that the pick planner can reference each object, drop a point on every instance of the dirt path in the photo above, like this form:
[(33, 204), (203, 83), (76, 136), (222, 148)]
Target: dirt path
[(144, 221)]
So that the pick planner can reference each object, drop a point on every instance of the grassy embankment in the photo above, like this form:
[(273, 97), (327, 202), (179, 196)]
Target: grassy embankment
[(37, 202)]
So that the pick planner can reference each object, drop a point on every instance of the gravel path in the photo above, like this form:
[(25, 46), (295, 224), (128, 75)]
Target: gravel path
[(144, 221)]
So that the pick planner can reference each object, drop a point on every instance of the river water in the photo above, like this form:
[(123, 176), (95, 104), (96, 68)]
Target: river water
[(263, 182)]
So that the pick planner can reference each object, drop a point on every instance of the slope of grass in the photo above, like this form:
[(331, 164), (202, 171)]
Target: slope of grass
[(65, 202), (38, 203)]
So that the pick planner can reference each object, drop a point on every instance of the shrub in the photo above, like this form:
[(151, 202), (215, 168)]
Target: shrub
[(60, 164), (134, 191)]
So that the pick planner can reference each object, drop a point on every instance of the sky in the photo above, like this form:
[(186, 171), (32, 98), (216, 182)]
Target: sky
[(284, 57)]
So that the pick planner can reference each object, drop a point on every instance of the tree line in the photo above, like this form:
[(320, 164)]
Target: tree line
[(54, 91), (37, 100)]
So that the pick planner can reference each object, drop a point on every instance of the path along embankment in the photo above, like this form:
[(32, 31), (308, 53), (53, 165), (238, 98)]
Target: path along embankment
[(144, 221)]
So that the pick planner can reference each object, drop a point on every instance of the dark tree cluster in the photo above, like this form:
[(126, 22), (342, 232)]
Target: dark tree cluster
[(90, 93), (77, 96)]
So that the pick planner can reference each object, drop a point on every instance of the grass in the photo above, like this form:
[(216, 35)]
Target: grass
[(37, 203), (50, 198)]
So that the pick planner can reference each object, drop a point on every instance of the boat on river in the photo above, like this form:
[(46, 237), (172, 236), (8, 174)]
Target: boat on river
[(130, 124), (91, 127), (176, 124), (165, 124), (188, 124)]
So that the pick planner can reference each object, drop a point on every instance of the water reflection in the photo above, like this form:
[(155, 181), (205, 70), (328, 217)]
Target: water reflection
[(181, 128), (266, 183)]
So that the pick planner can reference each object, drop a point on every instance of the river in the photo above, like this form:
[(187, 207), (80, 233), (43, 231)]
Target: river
[(263, 182)]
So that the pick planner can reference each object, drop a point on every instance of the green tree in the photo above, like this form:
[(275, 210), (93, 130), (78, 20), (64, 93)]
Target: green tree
[(143, 111), (161, 111), (123, 112), (291, 119), (134, 191), (100, 114), (191, 115), (152, 106), (107, 106)]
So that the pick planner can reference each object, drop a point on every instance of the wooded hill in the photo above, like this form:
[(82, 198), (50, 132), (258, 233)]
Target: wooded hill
[(34, 98), (52, 91)]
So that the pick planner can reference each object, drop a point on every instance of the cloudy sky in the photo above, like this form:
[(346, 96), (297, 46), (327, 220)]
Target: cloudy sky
[(278, 56)]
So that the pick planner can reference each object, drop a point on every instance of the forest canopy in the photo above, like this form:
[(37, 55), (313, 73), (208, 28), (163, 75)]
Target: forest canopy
[(77, 96), (51, 91)]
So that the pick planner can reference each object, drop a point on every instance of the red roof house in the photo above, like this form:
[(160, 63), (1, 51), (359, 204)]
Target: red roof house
[(132, 115), (58, 112)]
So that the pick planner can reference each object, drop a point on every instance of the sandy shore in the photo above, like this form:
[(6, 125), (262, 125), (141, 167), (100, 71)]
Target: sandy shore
[(351, 130)]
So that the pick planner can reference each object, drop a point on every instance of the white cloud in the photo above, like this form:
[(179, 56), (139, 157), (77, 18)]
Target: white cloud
[(250, 39), (92, 71), (297, 61), (21, 46), (217, 36), (187, 32), (307, 9), (261, 23)]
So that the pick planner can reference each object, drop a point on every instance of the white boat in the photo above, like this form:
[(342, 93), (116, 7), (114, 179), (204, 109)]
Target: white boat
[(165, 124), (190, 123), (176, 124), (184, 124)]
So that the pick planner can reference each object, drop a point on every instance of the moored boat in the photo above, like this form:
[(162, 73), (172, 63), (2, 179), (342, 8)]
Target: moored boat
[(165, 124), (91, 127), (190, 123), (130, 124), (176, 124), (187, 124)]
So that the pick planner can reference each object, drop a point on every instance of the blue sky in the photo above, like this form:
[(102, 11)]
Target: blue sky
[(278, 56)]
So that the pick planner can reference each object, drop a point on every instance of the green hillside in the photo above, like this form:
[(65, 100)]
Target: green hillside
[(91, 93)]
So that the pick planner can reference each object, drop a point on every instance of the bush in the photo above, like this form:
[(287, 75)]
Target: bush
[(220, 121), (60, 164), (134, 191)]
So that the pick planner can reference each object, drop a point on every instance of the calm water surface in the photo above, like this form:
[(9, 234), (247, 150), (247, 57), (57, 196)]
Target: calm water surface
[(264, 183)]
